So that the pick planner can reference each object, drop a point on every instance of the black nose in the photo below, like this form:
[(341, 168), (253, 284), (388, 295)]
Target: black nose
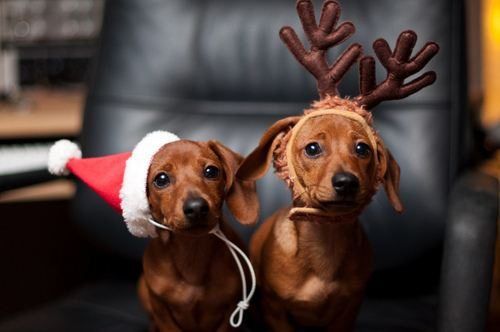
[(195, 208), (345, 183)]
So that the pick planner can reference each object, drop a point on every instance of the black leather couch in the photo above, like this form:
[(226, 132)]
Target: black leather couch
[(217, 69)]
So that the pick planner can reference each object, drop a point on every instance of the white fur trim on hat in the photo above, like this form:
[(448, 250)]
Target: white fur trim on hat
[(134, 202), (59, 155)]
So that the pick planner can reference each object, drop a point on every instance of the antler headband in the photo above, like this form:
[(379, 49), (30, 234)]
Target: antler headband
[(327, 34), (278, 141)]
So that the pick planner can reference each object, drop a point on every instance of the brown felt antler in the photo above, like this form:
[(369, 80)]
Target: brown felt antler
[(399, 67), (322, 37)]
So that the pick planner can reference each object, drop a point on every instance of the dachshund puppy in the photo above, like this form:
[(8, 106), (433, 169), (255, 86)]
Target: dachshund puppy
[(313, 259), (190, 280)]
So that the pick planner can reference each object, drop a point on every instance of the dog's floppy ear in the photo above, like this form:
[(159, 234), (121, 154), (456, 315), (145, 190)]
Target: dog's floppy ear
[(389, 171), (257, 162), (241, 195)]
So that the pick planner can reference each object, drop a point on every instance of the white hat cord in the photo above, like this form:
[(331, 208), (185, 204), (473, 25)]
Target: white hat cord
[(237, 316)]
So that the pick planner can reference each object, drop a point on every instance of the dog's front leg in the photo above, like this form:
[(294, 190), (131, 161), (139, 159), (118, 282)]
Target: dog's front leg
[(152, 327), (162, 317), (346, 321), (226, 327), (165, 323), (143, 293), (275, 315)]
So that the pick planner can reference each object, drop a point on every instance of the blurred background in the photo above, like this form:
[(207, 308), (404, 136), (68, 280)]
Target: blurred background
[(46, 52), (46, 49)]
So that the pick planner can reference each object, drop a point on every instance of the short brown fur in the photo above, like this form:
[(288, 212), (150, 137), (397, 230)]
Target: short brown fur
[(190, 280), (312, 270)]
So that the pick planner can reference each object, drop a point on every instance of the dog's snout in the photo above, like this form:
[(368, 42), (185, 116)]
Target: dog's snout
[(345, 183), (195, 208)]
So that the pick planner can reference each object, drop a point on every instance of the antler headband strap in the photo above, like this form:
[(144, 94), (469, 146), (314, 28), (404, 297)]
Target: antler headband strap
[(324, 112)]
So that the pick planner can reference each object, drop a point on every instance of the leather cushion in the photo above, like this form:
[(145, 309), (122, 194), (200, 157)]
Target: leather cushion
[(113, 306)]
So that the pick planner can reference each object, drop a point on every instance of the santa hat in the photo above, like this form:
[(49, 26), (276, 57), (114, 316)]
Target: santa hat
[(120, 179)]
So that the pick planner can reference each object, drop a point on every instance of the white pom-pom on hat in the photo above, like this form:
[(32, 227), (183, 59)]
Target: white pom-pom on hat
[(59, 155)]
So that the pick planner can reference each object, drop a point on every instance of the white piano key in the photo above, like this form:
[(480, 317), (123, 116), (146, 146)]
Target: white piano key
[(23, 157)]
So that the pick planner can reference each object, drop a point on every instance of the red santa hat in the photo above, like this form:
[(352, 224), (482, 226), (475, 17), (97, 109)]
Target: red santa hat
[(120, 179)]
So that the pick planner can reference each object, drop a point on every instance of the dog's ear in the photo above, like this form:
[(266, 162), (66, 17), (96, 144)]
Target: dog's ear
[(257, 162), (389, 171), (241, 195)]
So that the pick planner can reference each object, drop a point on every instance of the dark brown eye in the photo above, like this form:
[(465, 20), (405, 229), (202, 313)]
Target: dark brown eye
[(211, 172), (362, 149), (161, 180), (313, 150)]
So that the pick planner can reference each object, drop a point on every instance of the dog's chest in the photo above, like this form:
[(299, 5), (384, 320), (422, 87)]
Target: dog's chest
[(193, 287), (196, 307), (319, 303), (204, 298), (218, 286), (315, 290), (318, 274)]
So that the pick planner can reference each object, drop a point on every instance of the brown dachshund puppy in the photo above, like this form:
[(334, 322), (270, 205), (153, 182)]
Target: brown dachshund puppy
[(313, 259), (190, 280)]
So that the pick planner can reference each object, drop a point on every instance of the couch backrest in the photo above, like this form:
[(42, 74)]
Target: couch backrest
[(217, 70)]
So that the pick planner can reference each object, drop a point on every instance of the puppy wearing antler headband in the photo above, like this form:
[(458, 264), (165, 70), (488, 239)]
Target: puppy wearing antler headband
[(313, 259)]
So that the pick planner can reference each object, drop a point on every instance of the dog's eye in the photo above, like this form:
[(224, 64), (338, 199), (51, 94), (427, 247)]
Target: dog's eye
[(313, 149), (362, 149), (161, 180), (211, 172)]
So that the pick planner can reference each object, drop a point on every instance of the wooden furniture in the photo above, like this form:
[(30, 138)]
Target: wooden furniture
[(40, 114)]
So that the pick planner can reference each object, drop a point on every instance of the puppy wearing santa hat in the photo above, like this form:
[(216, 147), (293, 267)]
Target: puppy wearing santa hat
[(172, 191)]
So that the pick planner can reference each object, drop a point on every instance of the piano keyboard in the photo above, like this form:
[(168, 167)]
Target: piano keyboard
[(20, 158)]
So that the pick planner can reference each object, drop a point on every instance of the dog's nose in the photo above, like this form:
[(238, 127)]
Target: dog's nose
[(195, 208), (345, 183)]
